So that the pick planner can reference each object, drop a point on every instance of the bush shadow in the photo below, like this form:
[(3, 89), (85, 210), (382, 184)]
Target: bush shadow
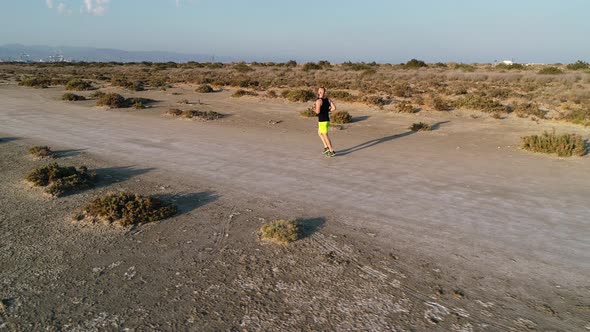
[(437, 125), (8, 139), (109, 175), (188, 202), (310, 226), (372, 143), (68, 153), (360, 118)]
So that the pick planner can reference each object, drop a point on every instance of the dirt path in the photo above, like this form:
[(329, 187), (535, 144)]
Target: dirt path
[(498, 219)]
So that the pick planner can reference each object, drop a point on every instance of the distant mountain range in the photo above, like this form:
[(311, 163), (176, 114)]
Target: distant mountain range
[(17, 52)]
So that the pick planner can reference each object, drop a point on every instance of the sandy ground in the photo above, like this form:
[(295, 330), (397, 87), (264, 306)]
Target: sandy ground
[(455, 229)]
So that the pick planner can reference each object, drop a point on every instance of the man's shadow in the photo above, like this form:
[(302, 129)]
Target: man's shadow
[(376, 141)]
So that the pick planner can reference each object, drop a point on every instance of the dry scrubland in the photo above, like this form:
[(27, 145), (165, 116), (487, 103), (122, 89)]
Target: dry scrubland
[(557, 93), (539, 92)]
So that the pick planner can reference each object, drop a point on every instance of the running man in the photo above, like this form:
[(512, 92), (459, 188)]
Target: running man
[(323, 106)]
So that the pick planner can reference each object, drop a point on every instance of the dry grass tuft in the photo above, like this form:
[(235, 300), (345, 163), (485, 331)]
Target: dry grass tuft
[(205, 88), (68, 96), (298, 95), (113, 100), (240, 93), (41, 152), (203, 115), (77, 84), (308, 113), (280, 231), (420, 126)]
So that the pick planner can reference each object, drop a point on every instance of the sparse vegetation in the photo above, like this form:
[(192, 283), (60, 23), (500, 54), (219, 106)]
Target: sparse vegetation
[(550, 71), (415, 64), (480, 103), (528, 109), (565, 145), (60, 180), (126, 209), (41, 152), (579, 116), (35, 82), (280, 231), (242, 67), (204, 115), (97, 94), (78, 85), (420, 126), (340, 117), (68, 96), (578, 65), (240, 93), (440, 104), (271, 94)]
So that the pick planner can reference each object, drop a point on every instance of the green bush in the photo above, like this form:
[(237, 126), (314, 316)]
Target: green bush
[(41, 152), (565, 145), (281, 231), (60, 180), (420, 126), (77, 84), (550, 71), (340, 117), (205, 88), (242, 67), (126, 209), (72, 97), (578, 65), (415, 64), (298, 95), (311, 66), (514, 66)]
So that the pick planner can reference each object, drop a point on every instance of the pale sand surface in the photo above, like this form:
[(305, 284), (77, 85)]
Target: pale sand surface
[(461, 206)]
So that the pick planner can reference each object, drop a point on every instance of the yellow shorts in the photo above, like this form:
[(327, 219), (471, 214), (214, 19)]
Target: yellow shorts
[(323, 127)]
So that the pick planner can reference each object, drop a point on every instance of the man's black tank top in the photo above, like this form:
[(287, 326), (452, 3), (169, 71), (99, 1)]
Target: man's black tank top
[(324, 114)]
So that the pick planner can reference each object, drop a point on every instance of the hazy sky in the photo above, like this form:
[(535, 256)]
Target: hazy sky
[(371, 30)]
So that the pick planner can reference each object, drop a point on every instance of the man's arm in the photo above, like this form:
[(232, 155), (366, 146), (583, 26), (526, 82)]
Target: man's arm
[(318, 105), (332, 106)]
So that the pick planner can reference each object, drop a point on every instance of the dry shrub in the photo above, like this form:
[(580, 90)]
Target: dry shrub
[(113, 100), (60, 180), (298, 95), (41, 152), (68, 96), (204, 115), (96, 94), (173, 112), (77, 84), (271, 94), (376, 100), (280, 231), (440, 104), (405, 107), (35, 82), (403, 90), (420, 126), (565, 145), (308, 113), (183, 101), (579, 116), (340, 117), (205, 88), (240, 93), (126, 209), (480, 103), (343, 95), (528, 109), (550, 71)]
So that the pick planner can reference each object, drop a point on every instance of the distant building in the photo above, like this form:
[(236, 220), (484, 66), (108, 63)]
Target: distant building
[(508, 62)]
